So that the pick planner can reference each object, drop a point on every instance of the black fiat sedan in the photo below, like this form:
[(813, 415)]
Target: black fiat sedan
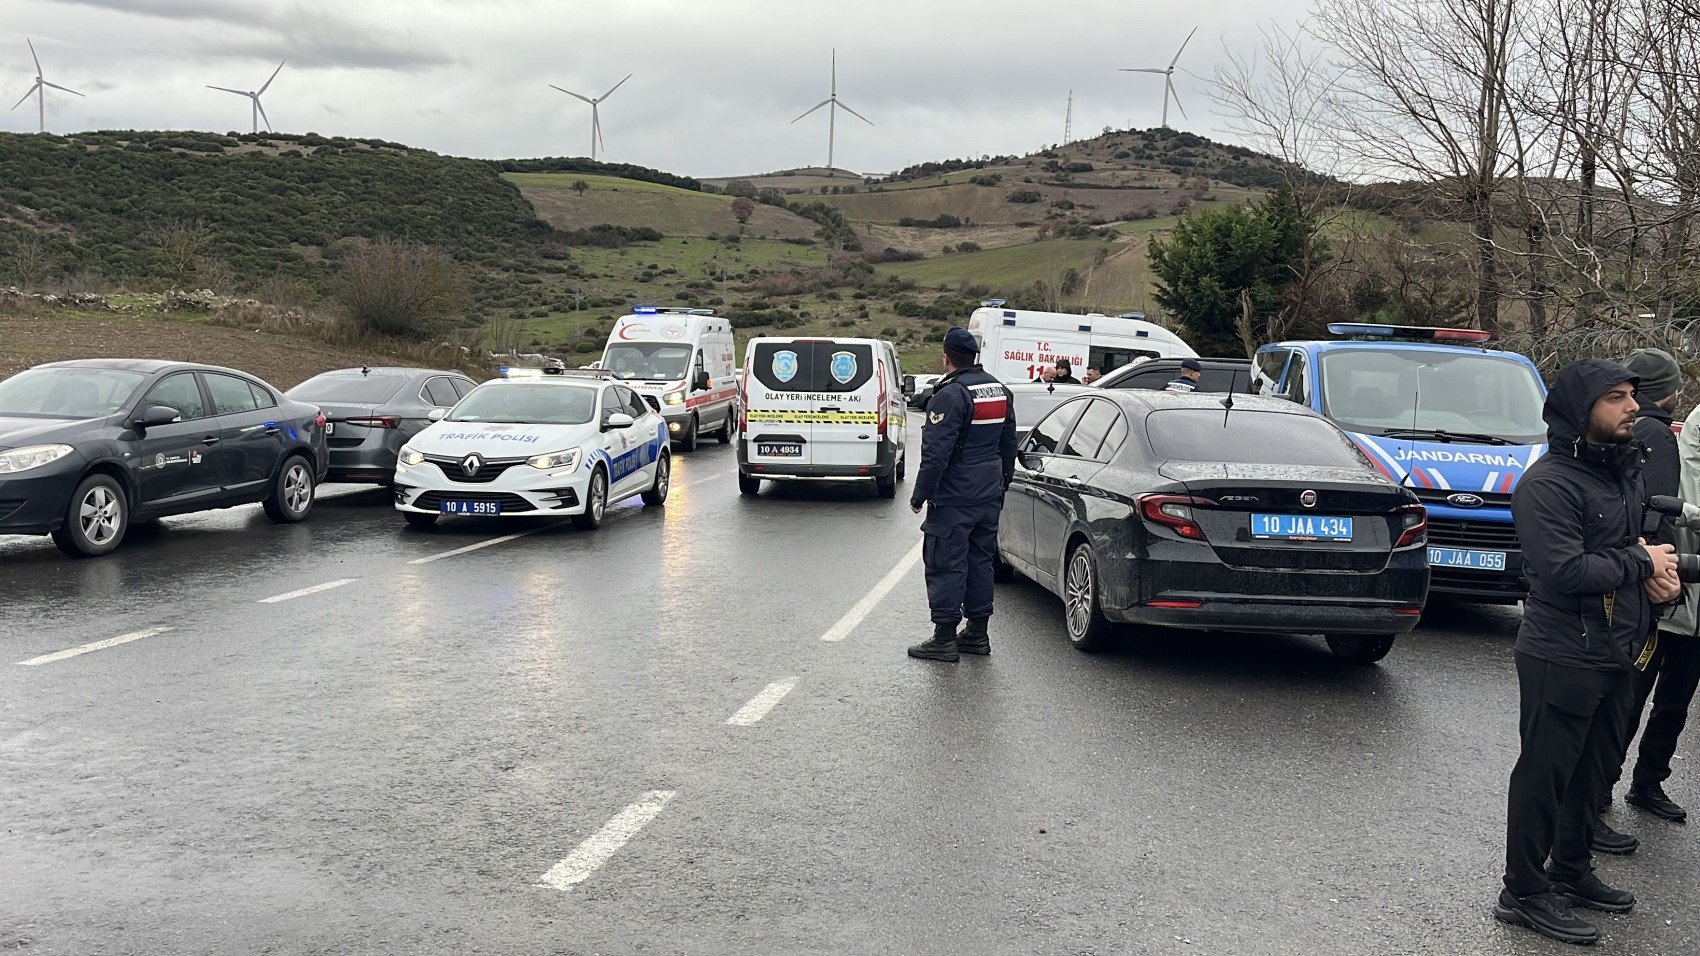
[(88, 447), (1213, 512)]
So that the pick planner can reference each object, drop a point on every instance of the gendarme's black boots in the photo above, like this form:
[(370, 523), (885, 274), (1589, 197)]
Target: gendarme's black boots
[(974, 639), (1608, 840), (1652, 799), (942, 647), (1547, 914)]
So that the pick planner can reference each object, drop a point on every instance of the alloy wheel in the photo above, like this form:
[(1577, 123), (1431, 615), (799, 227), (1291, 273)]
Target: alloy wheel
[(98, 516), (297, 488), (663, 476), (598, 495), (1079, 593)]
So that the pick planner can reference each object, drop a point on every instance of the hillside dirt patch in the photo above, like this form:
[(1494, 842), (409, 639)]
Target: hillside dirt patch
[(28, 339)]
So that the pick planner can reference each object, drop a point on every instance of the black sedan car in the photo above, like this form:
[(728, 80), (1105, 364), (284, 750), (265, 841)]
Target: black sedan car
[(1159, 508), (88, 447), (371, 412)]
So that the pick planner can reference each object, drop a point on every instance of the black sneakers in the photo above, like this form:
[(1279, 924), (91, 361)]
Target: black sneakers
[(1652, 799), (942, 647), (1547, 914), (1607, 840), (974, 639), (1595, 895)]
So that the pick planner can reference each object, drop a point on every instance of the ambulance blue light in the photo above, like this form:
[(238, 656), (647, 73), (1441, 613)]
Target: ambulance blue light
[(994, 303), (504, 372), (1086, 328), (646, 310), (1008, 321), (1141, 333), (1009, 313)]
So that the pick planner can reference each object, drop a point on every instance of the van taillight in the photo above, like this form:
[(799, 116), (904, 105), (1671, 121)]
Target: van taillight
[(744, 397), (880, 368)]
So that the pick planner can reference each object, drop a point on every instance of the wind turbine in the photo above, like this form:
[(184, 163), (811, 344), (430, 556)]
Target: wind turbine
[(39, 90), (595, 116), (832, 113), (1168, 80), (259, 111)]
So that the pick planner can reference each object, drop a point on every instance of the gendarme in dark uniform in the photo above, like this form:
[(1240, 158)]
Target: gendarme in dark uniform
[(967, 459)]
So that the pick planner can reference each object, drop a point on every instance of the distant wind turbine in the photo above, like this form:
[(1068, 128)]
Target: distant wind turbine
[(39, 90), (833, 105), (1168, 80), (259, 111), (595, 115)]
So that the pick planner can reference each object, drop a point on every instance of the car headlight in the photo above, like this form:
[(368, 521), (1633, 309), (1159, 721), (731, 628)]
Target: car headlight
[(557, 459), (674, 398), (34, 456), (410, 457)]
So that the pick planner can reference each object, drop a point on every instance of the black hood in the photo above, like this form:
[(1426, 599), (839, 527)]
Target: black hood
[(1571, 401)]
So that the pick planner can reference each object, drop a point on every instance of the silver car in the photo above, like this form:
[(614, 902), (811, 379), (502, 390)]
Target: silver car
[(371, 412)]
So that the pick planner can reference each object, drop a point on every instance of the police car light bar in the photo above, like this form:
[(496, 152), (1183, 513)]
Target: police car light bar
[(1414, 332)]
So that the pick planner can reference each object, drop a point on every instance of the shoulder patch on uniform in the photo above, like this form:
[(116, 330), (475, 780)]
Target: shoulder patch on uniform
[(935, 418)]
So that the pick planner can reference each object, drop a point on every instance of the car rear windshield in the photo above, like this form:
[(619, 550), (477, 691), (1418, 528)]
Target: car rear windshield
[(527, 404), (1248, 437), (345, 388), (68, 392), (813, 365)]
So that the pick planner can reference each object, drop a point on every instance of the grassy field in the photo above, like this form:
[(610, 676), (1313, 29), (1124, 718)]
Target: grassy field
[(628, 202)]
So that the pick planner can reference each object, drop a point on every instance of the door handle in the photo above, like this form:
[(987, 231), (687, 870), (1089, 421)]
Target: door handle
[(210, 440), (1073, 480), (271, 428)]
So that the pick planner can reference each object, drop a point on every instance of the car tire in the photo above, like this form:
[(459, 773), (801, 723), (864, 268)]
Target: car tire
[(1361, 648), (416, 519), (595, 502), (1002, 571), (748, 484), (902, 466), (886, 485), (688, 441), (1083, 615), (95, 520), (657, 493), (729, 431), (291, 499)]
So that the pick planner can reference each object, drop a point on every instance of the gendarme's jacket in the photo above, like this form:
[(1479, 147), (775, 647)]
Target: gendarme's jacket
[(968, 442), (1579, 512)]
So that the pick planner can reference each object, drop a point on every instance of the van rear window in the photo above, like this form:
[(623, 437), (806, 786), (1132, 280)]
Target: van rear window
[(815, 365)]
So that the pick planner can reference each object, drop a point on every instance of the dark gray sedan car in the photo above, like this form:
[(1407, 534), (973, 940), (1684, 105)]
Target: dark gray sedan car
[(371, 412)]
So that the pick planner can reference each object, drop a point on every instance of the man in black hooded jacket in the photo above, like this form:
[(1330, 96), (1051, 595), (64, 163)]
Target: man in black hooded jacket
[(1592, 583)]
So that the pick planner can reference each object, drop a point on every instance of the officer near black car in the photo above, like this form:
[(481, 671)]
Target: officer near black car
[(1593, 582), (967, 460), (1673, 667), (1187, 379)]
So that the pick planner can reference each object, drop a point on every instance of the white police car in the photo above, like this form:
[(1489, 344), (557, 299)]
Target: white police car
[(538, 442)]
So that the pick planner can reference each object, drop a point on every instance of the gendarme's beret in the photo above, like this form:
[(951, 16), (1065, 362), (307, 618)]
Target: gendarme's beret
[(961, 340)]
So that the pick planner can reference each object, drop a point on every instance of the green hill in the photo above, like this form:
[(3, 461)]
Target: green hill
[(668, 209)]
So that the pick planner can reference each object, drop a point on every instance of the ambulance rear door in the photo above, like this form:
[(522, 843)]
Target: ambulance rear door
[(780, 411)]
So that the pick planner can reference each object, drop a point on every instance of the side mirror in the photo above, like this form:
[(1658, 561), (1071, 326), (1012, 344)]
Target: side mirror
[(617, 420), (156, 415), (1030, 461), (437, 414)]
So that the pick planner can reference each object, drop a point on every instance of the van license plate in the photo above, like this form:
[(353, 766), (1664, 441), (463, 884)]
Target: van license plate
[(471, 507), (1468, 560), (1301, 527), (775, 449)]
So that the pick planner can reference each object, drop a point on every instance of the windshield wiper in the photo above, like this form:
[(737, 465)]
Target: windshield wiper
[(1440, 434)]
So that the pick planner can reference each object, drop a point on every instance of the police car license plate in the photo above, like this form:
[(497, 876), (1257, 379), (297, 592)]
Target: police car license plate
[(471, 507), (1301, 527), (1469, 560), (779, 449)]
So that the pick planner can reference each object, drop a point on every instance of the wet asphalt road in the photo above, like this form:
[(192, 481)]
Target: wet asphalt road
[(404, 763)]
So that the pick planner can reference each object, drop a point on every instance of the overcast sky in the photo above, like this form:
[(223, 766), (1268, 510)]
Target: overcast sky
[(715, 82)]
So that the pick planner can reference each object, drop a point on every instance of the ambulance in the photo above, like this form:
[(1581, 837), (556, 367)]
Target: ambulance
[(822, 409), (1016, 343), (683, 362)]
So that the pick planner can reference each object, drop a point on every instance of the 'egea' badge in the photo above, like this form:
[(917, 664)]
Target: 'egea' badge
[(785, 365), (843, 367)]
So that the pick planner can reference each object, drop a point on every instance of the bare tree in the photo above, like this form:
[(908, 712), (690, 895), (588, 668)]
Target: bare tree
[(28, 257)]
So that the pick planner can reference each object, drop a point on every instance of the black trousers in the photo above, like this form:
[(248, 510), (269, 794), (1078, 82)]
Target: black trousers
[(959, 545), (1670, 680), (1571, 721)]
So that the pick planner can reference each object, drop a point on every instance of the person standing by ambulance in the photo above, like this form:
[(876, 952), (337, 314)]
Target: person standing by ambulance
[(967, 460)]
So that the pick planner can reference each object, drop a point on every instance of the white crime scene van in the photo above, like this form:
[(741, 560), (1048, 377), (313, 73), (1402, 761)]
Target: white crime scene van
[(683, 360), (822, 409), (1016, 343)]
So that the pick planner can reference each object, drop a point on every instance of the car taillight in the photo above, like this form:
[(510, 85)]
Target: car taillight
[(1175, 512), (1414, 527), (376, 421)]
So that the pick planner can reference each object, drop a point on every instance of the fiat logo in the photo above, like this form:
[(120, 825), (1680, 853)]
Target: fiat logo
[(471, 465), (1464, 500), (1307, 498)]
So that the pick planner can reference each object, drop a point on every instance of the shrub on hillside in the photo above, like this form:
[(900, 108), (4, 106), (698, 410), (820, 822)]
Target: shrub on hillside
[(1024, 196), (400, 289)]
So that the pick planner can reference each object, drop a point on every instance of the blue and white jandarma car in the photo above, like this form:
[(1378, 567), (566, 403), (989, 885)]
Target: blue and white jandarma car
[(537, 443)]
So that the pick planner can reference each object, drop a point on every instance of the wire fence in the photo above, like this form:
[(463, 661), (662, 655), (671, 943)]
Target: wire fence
[(1553, 350)]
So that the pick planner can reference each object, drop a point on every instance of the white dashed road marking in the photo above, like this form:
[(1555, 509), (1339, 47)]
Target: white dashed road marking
[(865, 606), (600, 846), (763, 702), (96, 646), (482, 544), (315, 589)]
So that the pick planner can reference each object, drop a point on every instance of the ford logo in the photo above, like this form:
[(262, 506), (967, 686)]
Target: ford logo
[(1464, 500), (1307, 498)]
